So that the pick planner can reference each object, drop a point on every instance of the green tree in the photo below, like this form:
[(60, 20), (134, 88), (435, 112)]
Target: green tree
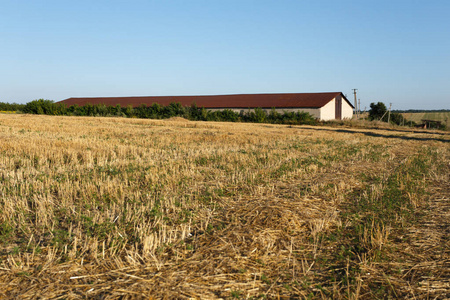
[(377, 111)]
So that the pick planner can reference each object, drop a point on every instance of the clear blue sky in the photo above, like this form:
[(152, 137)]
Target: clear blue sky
[(395, 51)]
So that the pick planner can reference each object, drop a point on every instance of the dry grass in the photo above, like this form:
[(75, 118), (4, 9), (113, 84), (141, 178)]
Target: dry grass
[(127, 208)]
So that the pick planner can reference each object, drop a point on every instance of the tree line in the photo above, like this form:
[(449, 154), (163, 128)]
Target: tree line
[(157, 111), (378, 111), (11, 106), (420, 110)]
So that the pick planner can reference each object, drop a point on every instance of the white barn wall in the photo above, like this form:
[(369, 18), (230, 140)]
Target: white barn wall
[(328, 111), (347, 110)]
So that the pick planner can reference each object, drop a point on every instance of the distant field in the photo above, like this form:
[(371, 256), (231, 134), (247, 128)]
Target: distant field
[(418, 117)]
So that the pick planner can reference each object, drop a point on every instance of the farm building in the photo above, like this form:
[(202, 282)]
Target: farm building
[(323, 106)]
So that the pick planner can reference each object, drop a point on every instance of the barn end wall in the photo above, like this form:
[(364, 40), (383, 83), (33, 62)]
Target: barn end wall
[(347, 110), (327, 112)]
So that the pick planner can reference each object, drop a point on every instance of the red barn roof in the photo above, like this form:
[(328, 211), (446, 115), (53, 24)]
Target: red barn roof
[(293, 100)]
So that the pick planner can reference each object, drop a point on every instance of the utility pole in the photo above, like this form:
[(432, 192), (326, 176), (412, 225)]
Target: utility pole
[(389, 115), (359, 106), (356, 103)]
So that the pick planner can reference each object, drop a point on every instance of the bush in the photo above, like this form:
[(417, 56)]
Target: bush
[(129, 111), (196, 113), (226, 115), (47, 107), (397, 119), (173, 110)]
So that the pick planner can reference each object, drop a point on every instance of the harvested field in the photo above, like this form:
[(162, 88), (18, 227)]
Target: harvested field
[(435, 116), (115, 208)]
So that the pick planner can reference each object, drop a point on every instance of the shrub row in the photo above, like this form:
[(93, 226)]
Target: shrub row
[(11, 106), (156, 111)]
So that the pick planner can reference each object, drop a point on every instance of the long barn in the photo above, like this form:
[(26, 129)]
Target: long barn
[(323, 106)]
